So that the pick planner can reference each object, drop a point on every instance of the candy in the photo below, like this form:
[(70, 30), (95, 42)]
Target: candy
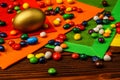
[(48, 2), (96, 29), (99, 26), (56, 22), (39, 55), (41, 4), (57, 44), (101, 31), (10, 11), (3, 35), (58, 19), (66, 16), (106, 35), (10, 6), (59, 1), (32, 40), (57, 9), (111, 18), (94, 35), (79, 10), (52, 71), (11, 42), (95, 18), (71, 16), (24, 36), (101, 39), (71, 23), (76, 30), (56, 56), (45, 26), (104, 3), (63, 45), (2, 41), (99, 21), (62, 36), (23, 44), (13, 32), (106, 21), (62, 7), (83, 56), (61, 12), (25, 5), (58, 49), (107, 58), (16, 8), (2, 48), (107, 13), (3, 5), (91, 31), (99, 64), (48, 54), (51, 42), (118, 30), (66, 26), (105, 17), (118, 24), (15, 3), (101, 16), (16, 46), (43, 34), (95, 58), (77, 36), (109, 53), (33, 60), (69, 9), (59, 40), (75, 56), (108, 31), (113, 25), (47, 12), (2, 23), (30, 56), (74, 8), (42, 60), (84, 23), (70, 1), (50, 9)]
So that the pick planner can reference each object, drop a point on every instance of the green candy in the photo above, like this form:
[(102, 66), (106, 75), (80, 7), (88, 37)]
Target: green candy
[(94, 35), (18, 11), (16, 8), (71, 16), (76, 30), (2, 23), (24, 36), (83, 56), (66, 16), (106, 21), (33, 60), (66, 26), (57, 9), (1, 41), (52, 71), (50, 8)]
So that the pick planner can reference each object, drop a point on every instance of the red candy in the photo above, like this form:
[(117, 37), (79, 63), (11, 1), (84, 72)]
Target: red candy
[(16, 46), (74, 8), (75, 56), (62, 7), (71, 23), (11, 42), (111, 18), (109, 53), (10, 6), (118, 30), (56, 56), (81, 27), (16, 3), (62, 36), (79, 10), (59, 40), (41, 4), (117, 24)]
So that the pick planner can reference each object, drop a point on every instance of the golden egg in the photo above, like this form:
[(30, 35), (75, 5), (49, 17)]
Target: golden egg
[(29, 20)]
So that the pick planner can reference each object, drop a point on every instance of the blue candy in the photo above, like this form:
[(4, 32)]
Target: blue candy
[(23, 43), (99, 21), (32, 40), (57, 44), (95, 58), (51, 42), (84, 23), (3, 35), (2, 48), (42, 60)]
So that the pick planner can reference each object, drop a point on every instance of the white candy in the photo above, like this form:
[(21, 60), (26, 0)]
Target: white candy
[(95, 18), (99, 26), (48, 55), (58, 49), (43, 34), (105, 17), (58, 19), (96, 29), (101, 31), (107, 58)]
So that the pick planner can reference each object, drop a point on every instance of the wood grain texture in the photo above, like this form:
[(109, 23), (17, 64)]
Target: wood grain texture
[(67, 69)]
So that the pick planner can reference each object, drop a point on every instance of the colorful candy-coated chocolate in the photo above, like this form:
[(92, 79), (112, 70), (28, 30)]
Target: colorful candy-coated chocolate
[(64, 46), (41, 4), (84, 23), (13, 32), (101, 31), (66, 16), (62, 36), (39, 55), (96, 29), (71, 16), (24, 36), (76, 30), (56, 22), (11, 6), (79, 10), (111, 18), (2, 41), (16, 8), (94, 35), (52, 71), (75, 56), (10, 11), (59, 40), (61, 12), (99, 26), (48, 54), (83, 56), (104, 3), (109, 53), (25, 5), (106, 35), (82, 28), (50, 9), (15, 3), (11, 42), (57, 9), (57, 44), (58, 19), (70, 1), (47, 12), (2, 48), (106, 21), (3, 34), (56, 56), (33, 60), (101, 39), (58, 49), (74, 8), (107, 58), (99, 21), (108, 31), (30, 56), (118, 24), (53, 12), (23, 44), (66, 26), (91, 31), (95, 58), (69, 9), (118, 30), (32, 40), (48, 2), (99, 64), (71, 23), (43, 34), (113, 25), (51, 42), (107, 13), (16, 46), (62, 7), (59, 1), (3, 4), (96, 18), (2, 23), (77, 36), (42, 60)]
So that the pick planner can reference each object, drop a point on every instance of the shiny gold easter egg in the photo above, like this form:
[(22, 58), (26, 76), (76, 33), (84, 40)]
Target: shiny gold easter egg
[(29, 20)]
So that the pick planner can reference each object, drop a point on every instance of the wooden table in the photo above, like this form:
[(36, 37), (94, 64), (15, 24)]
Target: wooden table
[(67, 68)]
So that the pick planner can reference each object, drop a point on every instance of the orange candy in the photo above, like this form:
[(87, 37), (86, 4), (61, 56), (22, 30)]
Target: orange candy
[(63, 45), (13, 32), (101, 16), (48, 2), (106, 34)]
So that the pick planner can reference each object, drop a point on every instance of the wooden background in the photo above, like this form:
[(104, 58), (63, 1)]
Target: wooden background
[(67, 68)]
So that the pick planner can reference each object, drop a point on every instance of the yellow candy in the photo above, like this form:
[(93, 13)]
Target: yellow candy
[(108, 31), (13, 32), (30, 56), (59, 1), (70, 1), (68, 21), (25, 5), (56, 22), (77, 36), (113, 25), (69, 9), (39, 55)]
